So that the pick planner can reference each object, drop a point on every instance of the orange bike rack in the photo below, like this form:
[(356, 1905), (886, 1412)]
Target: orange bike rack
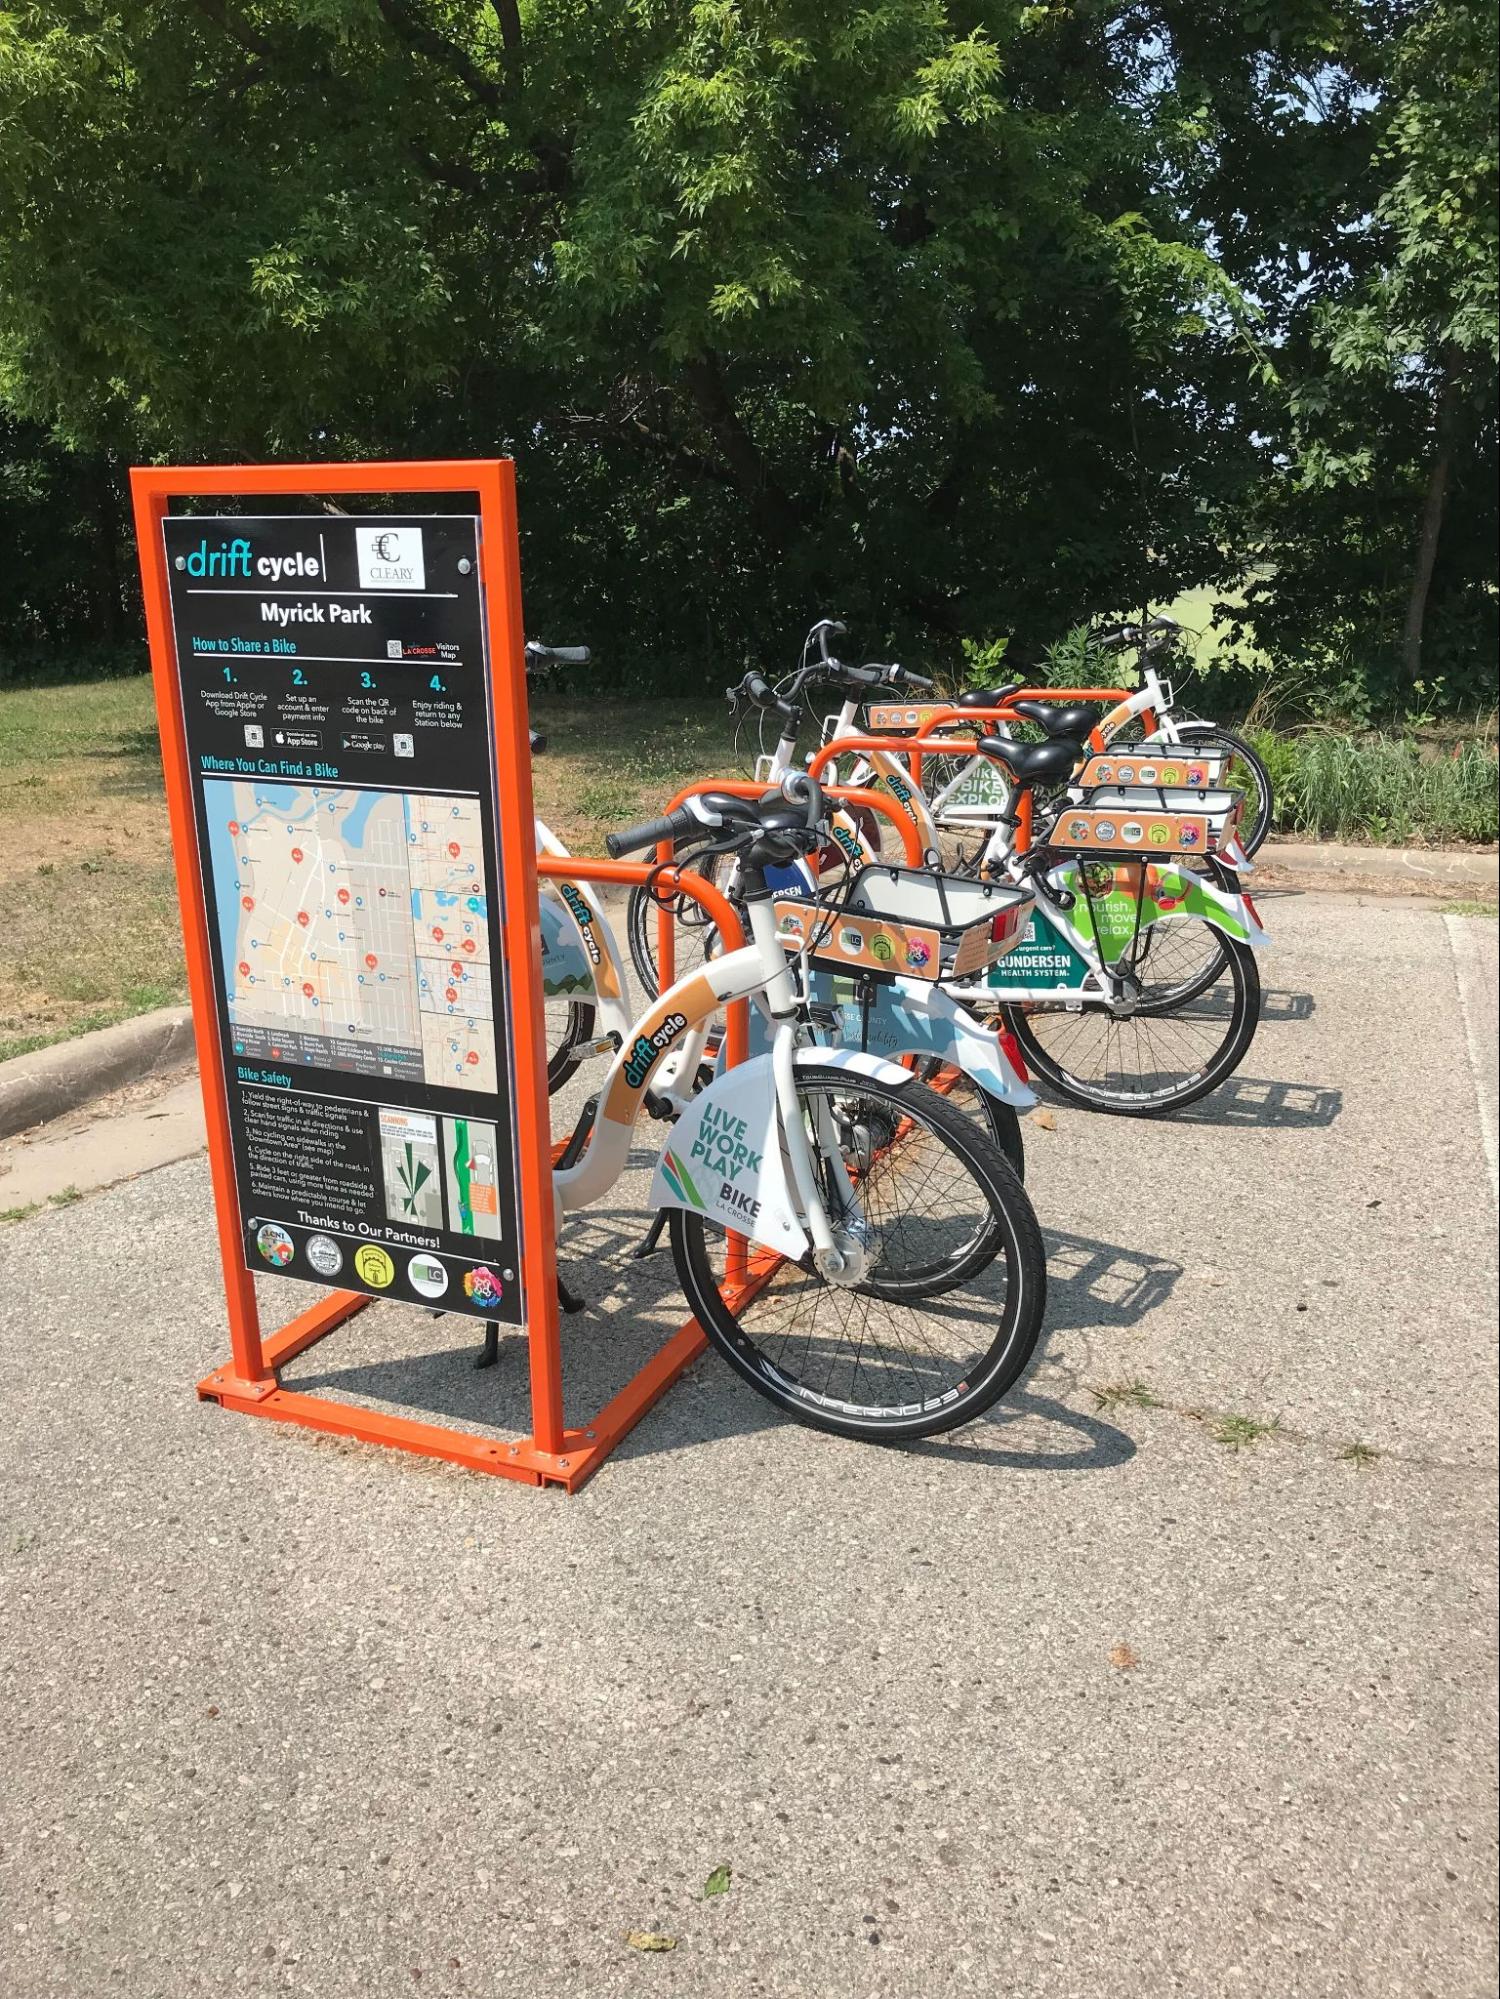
[(554, 1453), (666, 936)]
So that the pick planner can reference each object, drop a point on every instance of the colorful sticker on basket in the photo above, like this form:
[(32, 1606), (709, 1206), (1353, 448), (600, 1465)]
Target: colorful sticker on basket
[(887, 715), (1194, 774), (871, 942), (1168, 832)]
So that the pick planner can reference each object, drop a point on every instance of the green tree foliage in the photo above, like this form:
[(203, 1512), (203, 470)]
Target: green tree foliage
[(1374, 519), (954, 319)]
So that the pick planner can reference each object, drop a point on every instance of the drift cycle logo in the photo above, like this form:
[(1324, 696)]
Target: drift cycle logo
[(390, 558), (642, 1058), (583, 916), (900, 790)]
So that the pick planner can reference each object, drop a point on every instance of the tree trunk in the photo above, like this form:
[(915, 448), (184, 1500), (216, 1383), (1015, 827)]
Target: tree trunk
[(1432, 520)]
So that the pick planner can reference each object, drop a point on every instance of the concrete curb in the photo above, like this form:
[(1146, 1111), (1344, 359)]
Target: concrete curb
[(35, 1088), (1438, 870)]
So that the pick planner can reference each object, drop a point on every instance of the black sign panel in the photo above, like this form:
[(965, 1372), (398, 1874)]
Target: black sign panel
[(336, 702)]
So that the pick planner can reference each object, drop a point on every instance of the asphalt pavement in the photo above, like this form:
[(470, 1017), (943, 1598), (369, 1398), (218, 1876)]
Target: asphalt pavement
[(1174, 1674)]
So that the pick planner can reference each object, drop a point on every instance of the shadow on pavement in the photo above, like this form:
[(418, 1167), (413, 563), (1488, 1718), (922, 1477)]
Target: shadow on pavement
[(1251, 1101), (1096, 1286), (423, 1364), (1277, 1006)]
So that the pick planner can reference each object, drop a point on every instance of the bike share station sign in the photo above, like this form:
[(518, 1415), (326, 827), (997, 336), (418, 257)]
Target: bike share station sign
[(334, 685)]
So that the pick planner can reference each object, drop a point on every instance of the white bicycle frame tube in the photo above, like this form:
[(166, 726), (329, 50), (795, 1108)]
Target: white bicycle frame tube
[(677, 1023), (609, 977)]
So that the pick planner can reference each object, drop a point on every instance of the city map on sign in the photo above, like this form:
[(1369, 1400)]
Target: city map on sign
[(353, 927)]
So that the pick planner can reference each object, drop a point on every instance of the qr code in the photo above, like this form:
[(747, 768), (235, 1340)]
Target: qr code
[(393, 648)]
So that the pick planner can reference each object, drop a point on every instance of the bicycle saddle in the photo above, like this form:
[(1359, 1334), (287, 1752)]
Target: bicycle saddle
[(1074, 721), (988, 697), (1032, 763)]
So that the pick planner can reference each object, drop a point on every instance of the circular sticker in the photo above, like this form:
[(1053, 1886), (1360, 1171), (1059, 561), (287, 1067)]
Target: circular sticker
[(1104, 829), (1197, 777), (374, 1266), (852, 940), (325, 1256), (482, 1285), (275, 1245), (1127, 773), (917, 953), (1148, 773), (1132, 830), (427, 1275), (882, 948)]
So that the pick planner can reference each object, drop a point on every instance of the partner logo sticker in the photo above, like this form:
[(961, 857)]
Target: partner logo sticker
[(375, 1267), (275, 1245), (483, 1286), (390, 558), (427, 1276), (325, 1256)]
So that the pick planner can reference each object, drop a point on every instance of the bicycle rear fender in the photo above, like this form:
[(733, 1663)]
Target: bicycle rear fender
[(910, 1017), (1171, 892), (725, 1158)]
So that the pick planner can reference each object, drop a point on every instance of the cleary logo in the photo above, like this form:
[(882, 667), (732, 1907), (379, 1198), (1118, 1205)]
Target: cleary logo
[(390, 558), (639, 1062)]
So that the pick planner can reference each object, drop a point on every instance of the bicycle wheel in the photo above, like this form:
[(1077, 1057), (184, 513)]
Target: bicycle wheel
[(1150, 1060), (997, 1119), (695, 932), (1176, 962), (570, 1024), (948, 1311), (1245, 774)]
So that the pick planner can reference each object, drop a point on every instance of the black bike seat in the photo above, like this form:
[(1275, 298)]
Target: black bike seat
[(1056, 721), (988, 697), (1032, 763)]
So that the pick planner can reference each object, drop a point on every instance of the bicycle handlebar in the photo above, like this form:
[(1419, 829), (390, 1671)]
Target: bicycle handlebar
[(651, 832), (539, 655)]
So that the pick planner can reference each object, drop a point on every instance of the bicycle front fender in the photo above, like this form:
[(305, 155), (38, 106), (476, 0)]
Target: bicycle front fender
[(725, 1158)]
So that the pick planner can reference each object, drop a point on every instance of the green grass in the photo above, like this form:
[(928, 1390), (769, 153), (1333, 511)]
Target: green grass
[(1239, 1432), (1386, 790), (1468, 909), (1361, 1456), (1124, 1395)]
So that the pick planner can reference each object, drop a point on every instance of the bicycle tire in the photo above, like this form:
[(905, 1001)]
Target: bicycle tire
[(640, 929), (737, 1327), (563, 1061), (1096, 1095), (1252, 831)]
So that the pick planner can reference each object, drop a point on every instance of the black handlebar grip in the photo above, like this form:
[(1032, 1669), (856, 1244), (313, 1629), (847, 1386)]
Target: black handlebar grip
[(649, 833), (538, 743), (759, 690)]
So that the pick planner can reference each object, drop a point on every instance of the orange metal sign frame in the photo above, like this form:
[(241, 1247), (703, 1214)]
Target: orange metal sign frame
[(553, 1454)]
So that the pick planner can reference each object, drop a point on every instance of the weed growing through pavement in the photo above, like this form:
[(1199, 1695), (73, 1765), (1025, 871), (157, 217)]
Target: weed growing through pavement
[(1360, 1455), (1239, 1432), (1124, 1394)]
